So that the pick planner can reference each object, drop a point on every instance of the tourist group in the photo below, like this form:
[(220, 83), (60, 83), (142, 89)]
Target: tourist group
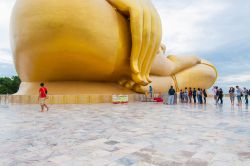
[(233, 93), (188, 95)]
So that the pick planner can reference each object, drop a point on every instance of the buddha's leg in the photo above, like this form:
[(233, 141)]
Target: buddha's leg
[(181, 72), (202, 75), (166, 66)]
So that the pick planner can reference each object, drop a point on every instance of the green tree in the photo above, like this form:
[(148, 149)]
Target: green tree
[(9, 85)]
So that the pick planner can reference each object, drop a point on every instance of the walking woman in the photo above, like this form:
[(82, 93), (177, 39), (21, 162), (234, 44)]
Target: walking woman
[(232, 95)]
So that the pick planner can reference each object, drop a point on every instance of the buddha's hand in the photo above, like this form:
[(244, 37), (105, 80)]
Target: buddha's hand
[(146, 36)]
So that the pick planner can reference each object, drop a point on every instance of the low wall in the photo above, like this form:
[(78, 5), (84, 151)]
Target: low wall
[(68, 99), (4, 100)]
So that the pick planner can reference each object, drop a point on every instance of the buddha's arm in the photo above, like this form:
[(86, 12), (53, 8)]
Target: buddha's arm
[(146, 35)]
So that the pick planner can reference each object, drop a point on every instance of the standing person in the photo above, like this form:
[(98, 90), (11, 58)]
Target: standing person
[(245, 93), (220, 96), (175, 98), (205, 96), (42, 97), (199, 96), (181, 96), (215, 94), (186, 95), (151, 91), (171, 94), (232, 95), (194, 95), (190, 94), (239, 95)]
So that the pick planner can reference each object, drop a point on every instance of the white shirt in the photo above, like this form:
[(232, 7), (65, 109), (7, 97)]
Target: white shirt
[(238, 92), (214, 91)]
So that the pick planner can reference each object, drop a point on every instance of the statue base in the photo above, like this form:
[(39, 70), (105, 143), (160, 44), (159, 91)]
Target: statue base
[(72, 93)]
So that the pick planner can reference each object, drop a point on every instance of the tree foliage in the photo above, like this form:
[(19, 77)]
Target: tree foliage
[(9, 85)]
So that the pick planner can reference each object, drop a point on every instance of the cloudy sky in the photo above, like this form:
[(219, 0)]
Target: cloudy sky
[(217, 30)]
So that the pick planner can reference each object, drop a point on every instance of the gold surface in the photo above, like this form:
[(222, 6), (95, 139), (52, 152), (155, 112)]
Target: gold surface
[(97, 47)]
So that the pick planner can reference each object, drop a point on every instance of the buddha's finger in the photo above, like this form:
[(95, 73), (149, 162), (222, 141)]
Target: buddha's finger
[(134, 9), (153, 39), (157, 35), (120, 5), (146, 40), (130, 84), (140, 89), (136, 23)]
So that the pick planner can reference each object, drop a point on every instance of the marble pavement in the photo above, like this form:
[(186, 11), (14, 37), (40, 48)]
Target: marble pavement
[(136, 134)]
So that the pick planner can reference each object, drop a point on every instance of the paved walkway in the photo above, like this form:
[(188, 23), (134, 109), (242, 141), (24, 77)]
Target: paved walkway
[(138, 134)]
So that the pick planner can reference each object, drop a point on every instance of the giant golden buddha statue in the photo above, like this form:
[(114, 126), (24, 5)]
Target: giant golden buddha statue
[(98, 46)]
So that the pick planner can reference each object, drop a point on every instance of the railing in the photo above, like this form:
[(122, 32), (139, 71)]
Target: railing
[(4, 100)]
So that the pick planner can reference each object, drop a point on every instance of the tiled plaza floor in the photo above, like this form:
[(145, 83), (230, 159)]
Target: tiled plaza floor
[(137, 134)]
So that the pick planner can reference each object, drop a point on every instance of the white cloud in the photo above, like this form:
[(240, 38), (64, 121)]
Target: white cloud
[(5, 57), (239, 78), (5, 14), (5, 10), (183, 24)]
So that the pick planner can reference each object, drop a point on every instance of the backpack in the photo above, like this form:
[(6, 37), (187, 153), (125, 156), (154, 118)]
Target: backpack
[(205, 94)]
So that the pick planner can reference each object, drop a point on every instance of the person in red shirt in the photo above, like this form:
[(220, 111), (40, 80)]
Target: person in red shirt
[(42, 97), (190, 95)]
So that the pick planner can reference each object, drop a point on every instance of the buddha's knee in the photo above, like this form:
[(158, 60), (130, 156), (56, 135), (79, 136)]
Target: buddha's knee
[(202, 75)]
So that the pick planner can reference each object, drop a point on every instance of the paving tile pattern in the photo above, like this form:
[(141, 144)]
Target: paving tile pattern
[(137, 134)]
